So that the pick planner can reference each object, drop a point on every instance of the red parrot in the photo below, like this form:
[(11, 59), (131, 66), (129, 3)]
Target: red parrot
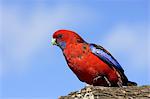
[(91, 63)]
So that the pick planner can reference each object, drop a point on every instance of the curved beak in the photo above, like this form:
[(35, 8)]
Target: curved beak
[(53, 41)]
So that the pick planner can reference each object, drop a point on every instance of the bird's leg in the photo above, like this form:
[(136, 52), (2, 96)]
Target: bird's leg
[(119, 83), (109, 84), (102, 78), (96, 78)]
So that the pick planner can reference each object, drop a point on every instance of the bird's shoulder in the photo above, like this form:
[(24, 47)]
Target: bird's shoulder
[(104, 55)]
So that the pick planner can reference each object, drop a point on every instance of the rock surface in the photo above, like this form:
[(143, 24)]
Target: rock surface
[(98, 92)]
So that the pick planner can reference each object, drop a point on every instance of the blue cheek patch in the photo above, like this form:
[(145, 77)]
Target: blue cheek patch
[(62, 45)]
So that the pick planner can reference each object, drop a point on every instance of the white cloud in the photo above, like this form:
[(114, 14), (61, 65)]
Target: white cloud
[(0, 40), (129, 44), (24, 34), (149, 47), (129, 39)]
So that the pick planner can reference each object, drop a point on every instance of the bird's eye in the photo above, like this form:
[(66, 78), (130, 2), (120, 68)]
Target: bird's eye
[(60, 36)]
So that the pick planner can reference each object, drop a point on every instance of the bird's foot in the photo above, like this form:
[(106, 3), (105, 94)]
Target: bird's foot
[(119, 83), (96, 78), (108, 82), (88, 85)]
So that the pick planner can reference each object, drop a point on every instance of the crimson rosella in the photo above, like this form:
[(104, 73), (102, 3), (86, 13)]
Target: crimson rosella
[(90, 62)]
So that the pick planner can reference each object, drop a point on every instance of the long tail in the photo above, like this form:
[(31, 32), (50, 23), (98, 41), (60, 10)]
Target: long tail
[(130, 83), (125, 80)]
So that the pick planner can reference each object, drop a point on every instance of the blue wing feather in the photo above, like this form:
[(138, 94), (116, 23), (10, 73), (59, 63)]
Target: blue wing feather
[(104, 55)]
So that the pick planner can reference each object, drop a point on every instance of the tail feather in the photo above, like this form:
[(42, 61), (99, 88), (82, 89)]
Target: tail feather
[(130, 83), (125, 80)]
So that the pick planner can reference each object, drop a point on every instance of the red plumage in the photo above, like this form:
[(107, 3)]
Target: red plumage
[(87, 66)]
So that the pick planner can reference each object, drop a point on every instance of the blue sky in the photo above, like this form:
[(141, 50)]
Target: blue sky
[(32, 68)]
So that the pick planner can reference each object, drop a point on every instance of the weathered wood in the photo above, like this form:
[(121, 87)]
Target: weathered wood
[(98, 92)]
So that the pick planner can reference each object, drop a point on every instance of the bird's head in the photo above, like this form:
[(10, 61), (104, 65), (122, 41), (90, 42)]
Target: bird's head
[(62, 38)]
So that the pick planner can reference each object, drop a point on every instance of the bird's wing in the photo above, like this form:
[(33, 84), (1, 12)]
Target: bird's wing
[(105, 56)]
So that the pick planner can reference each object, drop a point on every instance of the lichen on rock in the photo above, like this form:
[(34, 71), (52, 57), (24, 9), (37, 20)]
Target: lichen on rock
[(99, 92)]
